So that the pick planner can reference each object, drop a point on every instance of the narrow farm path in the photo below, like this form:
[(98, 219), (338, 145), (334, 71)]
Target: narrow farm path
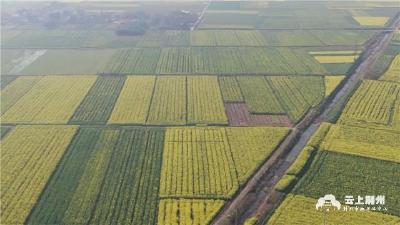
[(207, 4)]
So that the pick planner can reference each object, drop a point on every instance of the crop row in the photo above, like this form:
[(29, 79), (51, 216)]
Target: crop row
[(259, 96), (233, 60), (205, 101), (99, 102), (392, 73), (297, 94), (375, 103), (197, 163), (187, 211), (15, 90), (108, 176), (134, 100), (230, 89), (375, 143), (168, 105), (51, 99), (210, 162), (29, 156), (133, 61)]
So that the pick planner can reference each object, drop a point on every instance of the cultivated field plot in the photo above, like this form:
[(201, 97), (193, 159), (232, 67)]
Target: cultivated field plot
[(133, 103), (210, 162), (348, 38), (259, 144), (294, 208), (259, 96), (205, 104), (133, 61), (187, 211), (99, 102), (168, 105), (248, 60), (378, 21), (49, 100), (64, 38), (336, 61), (331, 82), (229, 19), (375, 143), (239, 115), (169, 100), (291, 38), (297, 94), (375, 103), (212, 38), (197, 163), (382, 65), (339, 174), (29, 156), (14, 91), (107, 176), (393, 72), (69, 61), (230, 89), (284, 96)]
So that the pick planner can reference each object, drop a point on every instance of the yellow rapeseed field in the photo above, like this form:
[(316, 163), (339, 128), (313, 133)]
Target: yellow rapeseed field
[(372, 104), (197, 162), (393, 73), (134, 100), (30, 153), (297, 209), (205, 104), (52, 100), (371, 20), (187, 211), (336, 58), (331, 82), (339, 52), (251, 145), (212, 161), (374, 143), (15, 90), (168, 106)]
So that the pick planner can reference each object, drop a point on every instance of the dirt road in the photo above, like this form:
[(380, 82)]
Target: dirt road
[(200, 16)]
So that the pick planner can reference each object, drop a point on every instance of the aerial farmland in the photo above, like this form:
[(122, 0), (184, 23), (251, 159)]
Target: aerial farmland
[(200, 112)]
